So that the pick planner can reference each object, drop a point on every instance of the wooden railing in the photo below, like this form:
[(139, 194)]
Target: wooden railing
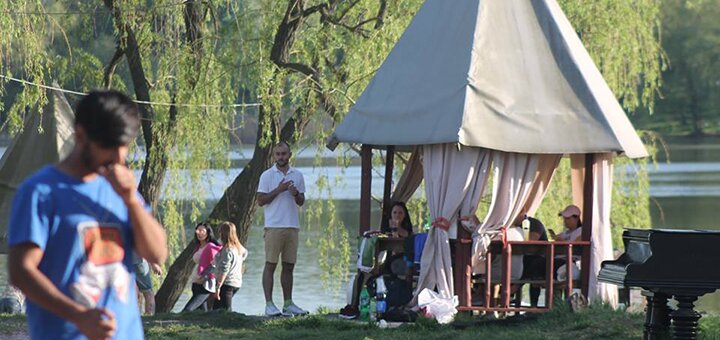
[(507, 249)]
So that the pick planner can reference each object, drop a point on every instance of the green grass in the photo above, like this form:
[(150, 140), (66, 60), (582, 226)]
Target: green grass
[(596, 322)]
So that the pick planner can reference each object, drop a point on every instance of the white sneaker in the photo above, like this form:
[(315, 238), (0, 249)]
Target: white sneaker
[(272, 310), (294, 310)]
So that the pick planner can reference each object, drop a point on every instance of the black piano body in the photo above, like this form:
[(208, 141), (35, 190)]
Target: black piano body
[(666, 263)]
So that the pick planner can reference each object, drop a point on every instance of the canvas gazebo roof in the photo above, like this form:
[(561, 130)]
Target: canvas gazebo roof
[(508, 75), (32, 149)]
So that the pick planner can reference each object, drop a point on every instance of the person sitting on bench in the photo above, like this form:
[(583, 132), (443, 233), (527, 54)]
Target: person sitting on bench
[(573, 232), (534, 266), (400, 226)]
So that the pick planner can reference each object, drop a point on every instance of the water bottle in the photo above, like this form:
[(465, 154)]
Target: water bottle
[(373, 309), (381, 305), (364, 304)]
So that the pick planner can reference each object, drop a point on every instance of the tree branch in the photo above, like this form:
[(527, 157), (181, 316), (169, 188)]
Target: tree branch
[(137, 72), (112, 65), (328, 16), (381, 14)]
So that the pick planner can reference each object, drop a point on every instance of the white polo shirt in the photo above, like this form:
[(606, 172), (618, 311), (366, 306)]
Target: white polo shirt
[(282, 212)]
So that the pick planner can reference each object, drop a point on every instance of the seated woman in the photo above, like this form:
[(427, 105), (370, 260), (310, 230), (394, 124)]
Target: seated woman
[(573, 225), (572, 232), (400, 224)]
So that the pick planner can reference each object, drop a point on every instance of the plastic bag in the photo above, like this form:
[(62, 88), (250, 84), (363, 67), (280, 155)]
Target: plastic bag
[(562, 272), (442, 309)]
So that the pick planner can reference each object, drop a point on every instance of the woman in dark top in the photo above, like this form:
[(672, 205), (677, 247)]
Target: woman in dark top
[(400, 224)]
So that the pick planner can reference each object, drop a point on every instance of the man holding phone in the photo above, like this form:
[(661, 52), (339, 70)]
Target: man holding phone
[(281, 191)]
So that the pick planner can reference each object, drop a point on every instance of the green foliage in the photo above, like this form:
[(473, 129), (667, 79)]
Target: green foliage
[(73, 42), (622, 37), (691, 38)]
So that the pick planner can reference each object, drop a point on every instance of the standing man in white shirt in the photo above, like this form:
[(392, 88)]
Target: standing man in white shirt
[(281, 191)]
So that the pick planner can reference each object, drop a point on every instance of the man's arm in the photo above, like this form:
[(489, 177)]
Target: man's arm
[(300, 199), (149, 236), (264, 198), (298, 191), (23, 262)]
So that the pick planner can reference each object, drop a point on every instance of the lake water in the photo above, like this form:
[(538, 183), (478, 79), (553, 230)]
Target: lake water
[(685, 195)]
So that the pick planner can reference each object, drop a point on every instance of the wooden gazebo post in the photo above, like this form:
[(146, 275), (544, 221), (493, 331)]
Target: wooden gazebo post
[(587, 213), (387, 190), (365, 187)]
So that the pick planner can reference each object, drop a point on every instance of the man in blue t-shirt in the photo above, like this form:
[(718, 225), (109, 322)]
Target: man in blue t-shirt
[(73, 228)]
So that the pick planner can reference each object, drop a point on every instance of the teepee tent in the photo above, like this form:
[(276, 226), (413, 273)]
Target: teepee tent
[(494, 86), (46, 138)]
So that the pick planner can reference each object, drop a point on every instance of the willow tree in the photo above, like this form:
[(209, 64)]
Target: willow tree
[(309, 59), (170, 54)]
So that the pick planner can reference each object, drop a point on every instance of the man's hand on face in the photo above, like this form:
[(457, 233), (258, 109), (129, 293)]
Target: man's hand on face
[(122, 180), (97, 323), (284, 186)]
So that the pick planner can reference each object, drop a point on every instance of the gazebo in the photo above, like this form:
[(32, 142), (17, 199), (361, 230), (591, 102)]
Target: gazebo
[(476, 87)]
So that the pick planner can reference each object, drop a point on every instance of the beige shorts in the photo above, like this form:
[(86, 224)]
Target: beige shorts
[(281, 241)]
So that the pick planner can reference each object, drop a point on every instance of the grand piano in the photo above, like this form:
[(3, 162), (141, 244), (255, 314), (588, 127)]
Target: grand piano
[(679, 264)]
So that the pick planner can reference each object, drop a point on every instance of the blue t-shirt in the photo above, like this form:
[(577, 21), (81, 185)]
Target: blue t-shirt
[(84, 230)]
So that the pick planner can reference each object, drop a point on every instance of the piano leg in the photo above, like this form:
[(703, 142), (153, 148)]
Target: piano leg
[(657, 319), (685, 318)]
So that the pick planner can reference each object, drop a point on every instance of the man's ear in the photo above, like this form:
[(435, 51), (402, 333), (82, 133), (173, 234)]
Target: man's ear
[(80, 134)]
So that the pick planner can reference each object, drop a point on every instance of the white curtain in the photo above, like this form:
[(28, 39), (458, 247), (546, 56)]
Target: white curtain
[(455, 178), (411, 177), (520, 181), (601, 241)]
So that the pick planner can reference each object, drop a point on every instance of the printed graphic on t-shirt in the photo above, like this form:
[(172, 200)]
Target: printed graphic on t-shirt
[(103, 267)]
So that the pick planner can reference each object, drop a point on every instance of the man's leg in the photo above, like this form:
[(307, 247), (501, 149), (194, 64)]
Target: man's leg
[(268, 280), (289, 258), (273, 247), (139, 297), (289, 247), (286, 280), (149, 302)]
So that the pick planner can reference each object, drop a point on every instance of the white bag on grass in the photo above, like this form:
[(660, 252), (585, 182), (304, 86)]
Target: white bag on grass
[(562, 272), (442, 309)]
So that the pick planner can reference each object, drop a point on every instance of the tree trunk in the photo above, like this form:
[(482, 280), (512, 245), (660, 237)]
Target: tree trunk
[(167, 296)]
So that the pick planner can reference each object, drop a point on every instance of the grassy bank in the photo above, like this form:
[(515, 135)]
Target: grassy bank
[(592, 323)]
